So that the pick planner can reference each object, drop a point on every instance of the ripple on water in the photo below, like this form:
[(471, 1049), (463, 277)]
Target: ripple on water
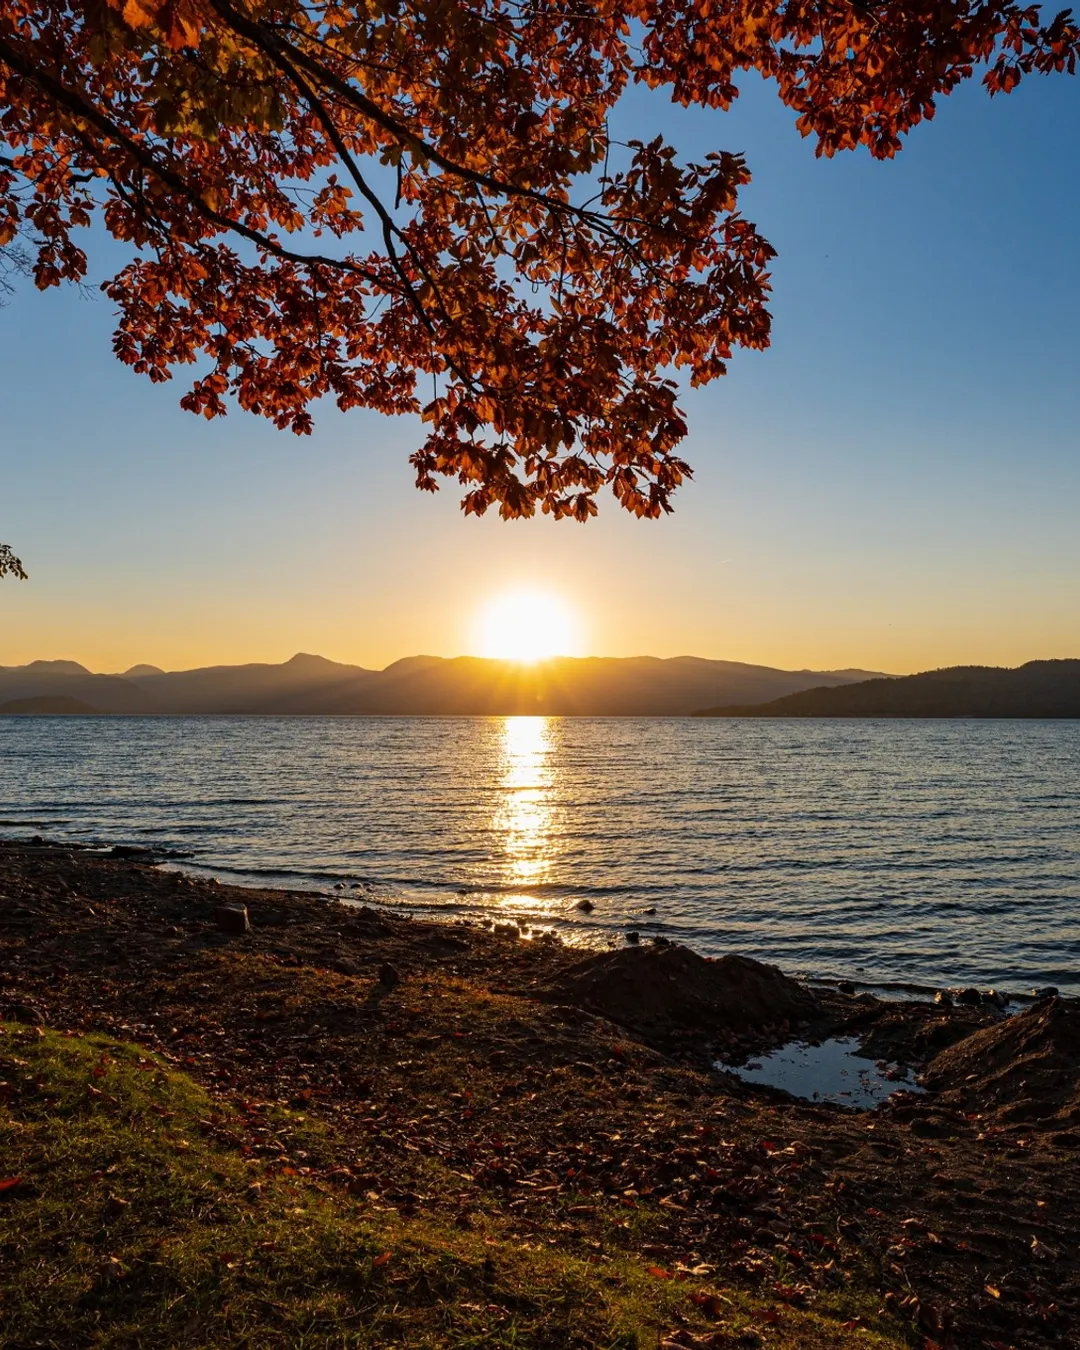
[(935, 853)]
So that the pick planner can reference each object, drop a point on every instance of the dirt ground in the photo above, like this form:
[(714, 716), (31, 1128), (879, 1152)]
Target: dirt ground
[(558, 1085)]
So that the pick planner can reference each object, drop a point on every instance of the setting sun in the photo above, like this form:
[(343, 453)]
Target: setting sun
[(527, 626)]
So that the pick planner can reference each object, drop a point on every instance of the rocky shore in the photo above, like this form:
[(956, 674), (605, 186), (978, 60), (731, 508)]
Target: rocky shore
[(574, 1099)]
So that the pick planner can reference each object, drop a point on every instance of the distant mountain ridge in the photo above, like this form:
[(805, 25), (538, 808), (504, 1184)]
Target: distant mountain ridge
[(421, 685), (1036, 689)]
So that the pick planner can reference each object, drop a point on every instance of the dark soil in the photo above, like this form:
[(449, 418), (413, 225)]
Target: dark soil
[(528, 1071), (1025, 1069)]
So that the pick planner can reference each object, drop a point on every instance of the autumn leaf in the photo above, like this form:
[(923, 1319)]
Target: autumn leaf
[(9, 1183), (710, 1304)]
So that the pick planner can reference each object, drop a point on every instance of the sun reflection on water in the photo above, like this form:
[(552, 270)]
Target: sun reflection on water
[(525, 813)]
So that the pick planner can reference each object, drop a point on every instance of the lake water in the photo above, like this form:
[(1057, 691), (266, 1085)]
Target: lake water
[(926, 852)]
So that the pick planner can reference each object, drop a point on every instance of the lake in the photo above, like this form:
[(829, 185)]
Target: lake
[(926, 853)]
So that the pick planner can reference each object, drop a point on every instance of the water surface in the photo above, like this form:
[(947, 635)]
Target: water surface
[(933, 852)]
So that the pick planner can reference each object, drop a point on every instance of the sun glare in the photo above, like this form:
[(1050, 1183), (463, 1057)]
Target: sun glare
[(527, 626)]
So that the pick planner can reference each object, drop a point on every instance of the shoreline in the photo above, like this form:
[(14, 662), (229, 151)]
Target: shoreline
[(337, 888), (555, 1091)]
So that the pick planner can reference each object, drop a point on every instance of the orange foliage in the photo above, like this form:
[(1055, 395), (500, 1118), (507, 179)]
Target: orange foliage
[(366, 201)]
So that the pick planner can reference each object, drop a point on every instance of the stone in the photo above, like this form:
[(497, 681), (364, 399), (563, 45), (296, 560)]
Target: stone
[(388, 976), (845, 986), (586, 906), (633, 938), (232, 919), (1048, 991), (942, 999)]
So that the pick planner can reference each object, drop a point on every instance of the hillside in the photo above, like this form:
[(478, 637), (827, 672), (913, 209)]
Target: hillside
[(45, 705), (1037, 689), (423, 685)]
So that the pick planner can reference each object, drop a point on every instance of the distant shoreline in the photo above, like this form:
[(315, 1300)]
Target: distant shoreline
[(742, 715)]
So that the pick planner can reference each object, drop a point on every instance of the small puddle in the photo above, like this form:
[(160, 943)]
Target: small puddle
[(829, 1072)]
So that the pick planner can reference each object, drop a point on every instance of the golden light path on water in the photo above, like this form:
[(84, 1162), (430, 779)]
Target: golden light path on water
[(525, 815)]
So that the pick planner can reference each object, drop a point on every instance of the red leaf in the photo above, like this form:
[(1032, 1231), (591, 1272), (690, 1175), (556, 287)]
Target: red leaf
[(9, 1183)]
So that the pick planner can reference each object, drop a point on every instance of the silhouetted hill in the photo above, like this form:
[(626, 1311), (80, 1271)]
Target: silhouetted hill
[(67, 679), (1037, 689), (52, 668), (430, 685), (50, 704), (304, 684)]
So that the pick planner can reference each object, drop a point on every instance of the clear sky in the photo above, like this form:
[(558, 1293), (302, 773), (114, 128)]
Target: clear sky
[(894, 485)]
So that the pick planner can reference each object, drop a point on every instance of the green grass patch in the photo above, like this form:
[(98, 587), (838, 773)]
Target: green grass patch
[(139, 1219)]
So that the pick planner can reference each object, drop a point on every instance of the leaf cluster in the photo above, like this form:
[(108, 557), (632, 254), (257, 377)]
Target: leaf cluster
[(10, 566), (365, 202)]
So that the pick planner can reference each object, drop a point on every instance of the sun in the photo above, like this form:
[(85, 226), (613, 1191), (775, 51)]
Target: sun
[(526, 625)]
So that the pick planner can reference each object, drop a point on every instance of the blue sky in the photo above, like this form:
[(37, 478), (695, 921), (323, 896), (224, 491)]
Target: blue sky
[(893, 485)]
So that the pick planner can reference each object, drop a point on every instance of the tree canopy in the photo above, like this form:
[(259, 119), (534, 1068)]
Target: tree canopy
[(418, 205)]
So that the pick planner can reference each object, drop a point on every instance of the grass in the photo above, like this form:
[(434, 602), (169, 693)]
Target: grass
[(140, 1218)]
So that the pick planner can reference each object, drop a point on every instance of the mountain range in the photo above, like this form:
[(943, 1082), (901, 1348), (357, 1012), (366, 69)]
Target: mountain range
[(418, 685), (1037, 689)]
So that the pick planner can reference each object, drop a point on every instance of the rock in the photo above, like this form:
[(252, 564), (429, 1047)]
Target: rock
[(586, 906), (131, 852), (996, 999), (1048, 991), (942, 999), (845, 986), (633, 938), (346, 967), (657, 987), (232, 918), (969, 997), (388, 976)]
